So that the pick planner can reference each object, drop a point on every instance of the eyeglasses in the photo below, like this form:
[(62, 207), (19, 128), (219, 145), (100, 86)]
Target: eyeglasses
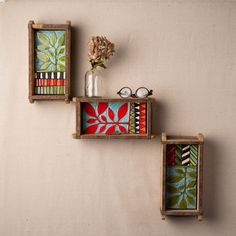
[(141, 92)]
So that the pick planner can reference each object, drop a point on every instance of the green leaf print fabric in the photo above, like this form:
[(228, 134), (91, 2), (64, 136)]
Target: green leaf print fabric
[(50, 51), (181, 176)]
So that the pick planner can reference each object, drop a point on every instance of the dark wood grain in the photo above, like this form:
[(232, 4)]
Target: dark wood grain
[(105, 99), (200, 176), (68, 61), (149, 116), (163, 177), (175, 139), (31, 60), (39, 26)]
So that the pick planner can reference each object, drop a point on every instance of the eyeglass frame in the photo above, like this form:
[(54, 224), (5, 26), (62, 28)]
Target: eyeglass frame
[(134, 95)]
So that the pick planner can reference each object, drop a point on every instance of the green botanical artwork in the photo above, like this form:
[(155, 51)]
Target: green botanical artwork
[(181, 176), (181, 187), (50, 51)]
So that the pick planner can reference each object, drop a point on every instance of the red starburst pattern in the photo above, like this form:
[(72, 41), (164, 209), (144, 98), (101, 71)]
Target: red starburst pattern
[(105, 119)]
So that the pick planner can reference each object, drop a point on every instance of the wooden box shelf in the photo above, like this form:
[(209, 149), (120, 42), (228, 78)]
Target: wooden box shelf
[(49, 61), (106, 118), (181, 175)]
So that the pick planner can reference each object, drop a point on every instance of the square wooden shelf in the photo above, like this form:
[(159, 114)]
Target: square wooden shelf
[(113, 118), (181, 175), (49, 61)]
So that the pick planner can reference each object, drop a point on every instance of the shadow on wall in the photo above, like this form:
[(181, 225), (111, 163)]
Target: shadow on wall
[(76, 82), (211, 167), (159, 117), (211, 199)]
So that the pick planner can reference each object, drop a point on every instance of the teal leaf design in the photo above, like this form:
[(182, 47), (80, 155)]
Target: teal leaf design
[(182, 187), (42, 57), (61, 40), (179, 171), (183, 203), (61, 50), (190, 200), (54, 38), (45, 65), (42, 47), (191, 184), (174, 179), (60, 68), (43, 38), (192, 174), (172, 201), (51, 54), (61, 63), (192, 191), (62, 58), (50, 50), (171, 189), (181, 182)]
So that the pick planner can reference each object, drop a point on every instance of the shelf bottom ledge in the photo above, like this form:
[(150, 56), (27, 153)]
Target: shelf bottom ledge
[(113, 136)]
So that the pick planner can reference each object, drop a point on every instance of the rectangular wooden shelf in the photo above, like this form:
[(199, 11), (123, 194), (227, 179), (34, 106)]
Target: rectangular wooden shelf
[(49, 61), (182, 213), (46, 97), (113, 118), (113, 136), (181, 175)]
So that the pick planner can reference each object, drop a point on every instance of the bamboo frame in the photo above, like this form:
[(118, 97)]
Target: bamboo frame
[(32, 27), (80, 135), (173, 139)]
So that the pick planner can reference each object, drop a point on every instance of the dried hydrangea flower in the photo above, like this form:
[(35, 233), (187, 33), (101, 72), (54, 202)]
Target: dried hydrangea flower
[(100, 50)]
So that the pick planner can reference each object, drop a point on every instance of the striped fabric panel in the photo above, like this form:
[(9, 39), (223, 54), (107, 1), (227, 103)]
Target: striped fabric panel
[(137, 117), (185, 155), (178, 154), (194, 154), (132, 120), (143, 129), (49, 83), (185, 159)]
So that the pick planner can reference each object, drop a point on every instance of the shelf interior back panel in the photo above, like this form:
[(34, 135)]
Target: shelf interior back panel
[(116, 117), (181, 176), (49, 58)]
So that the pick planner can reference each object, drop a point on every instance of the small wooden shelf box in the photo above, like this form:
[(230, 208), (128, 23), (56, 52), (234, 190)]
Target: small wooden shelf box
[(106, 118), (181, 175), (49, 61)]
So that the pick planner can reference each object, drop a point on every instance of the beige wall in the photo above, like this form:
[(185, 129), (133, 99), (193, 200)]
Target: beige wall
[(53, 185)]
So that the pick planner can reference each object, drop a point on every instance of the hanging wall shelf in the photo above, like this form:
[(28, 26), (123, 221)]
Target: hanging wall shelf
[(49, 61), (106, 118), (182, 175)]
